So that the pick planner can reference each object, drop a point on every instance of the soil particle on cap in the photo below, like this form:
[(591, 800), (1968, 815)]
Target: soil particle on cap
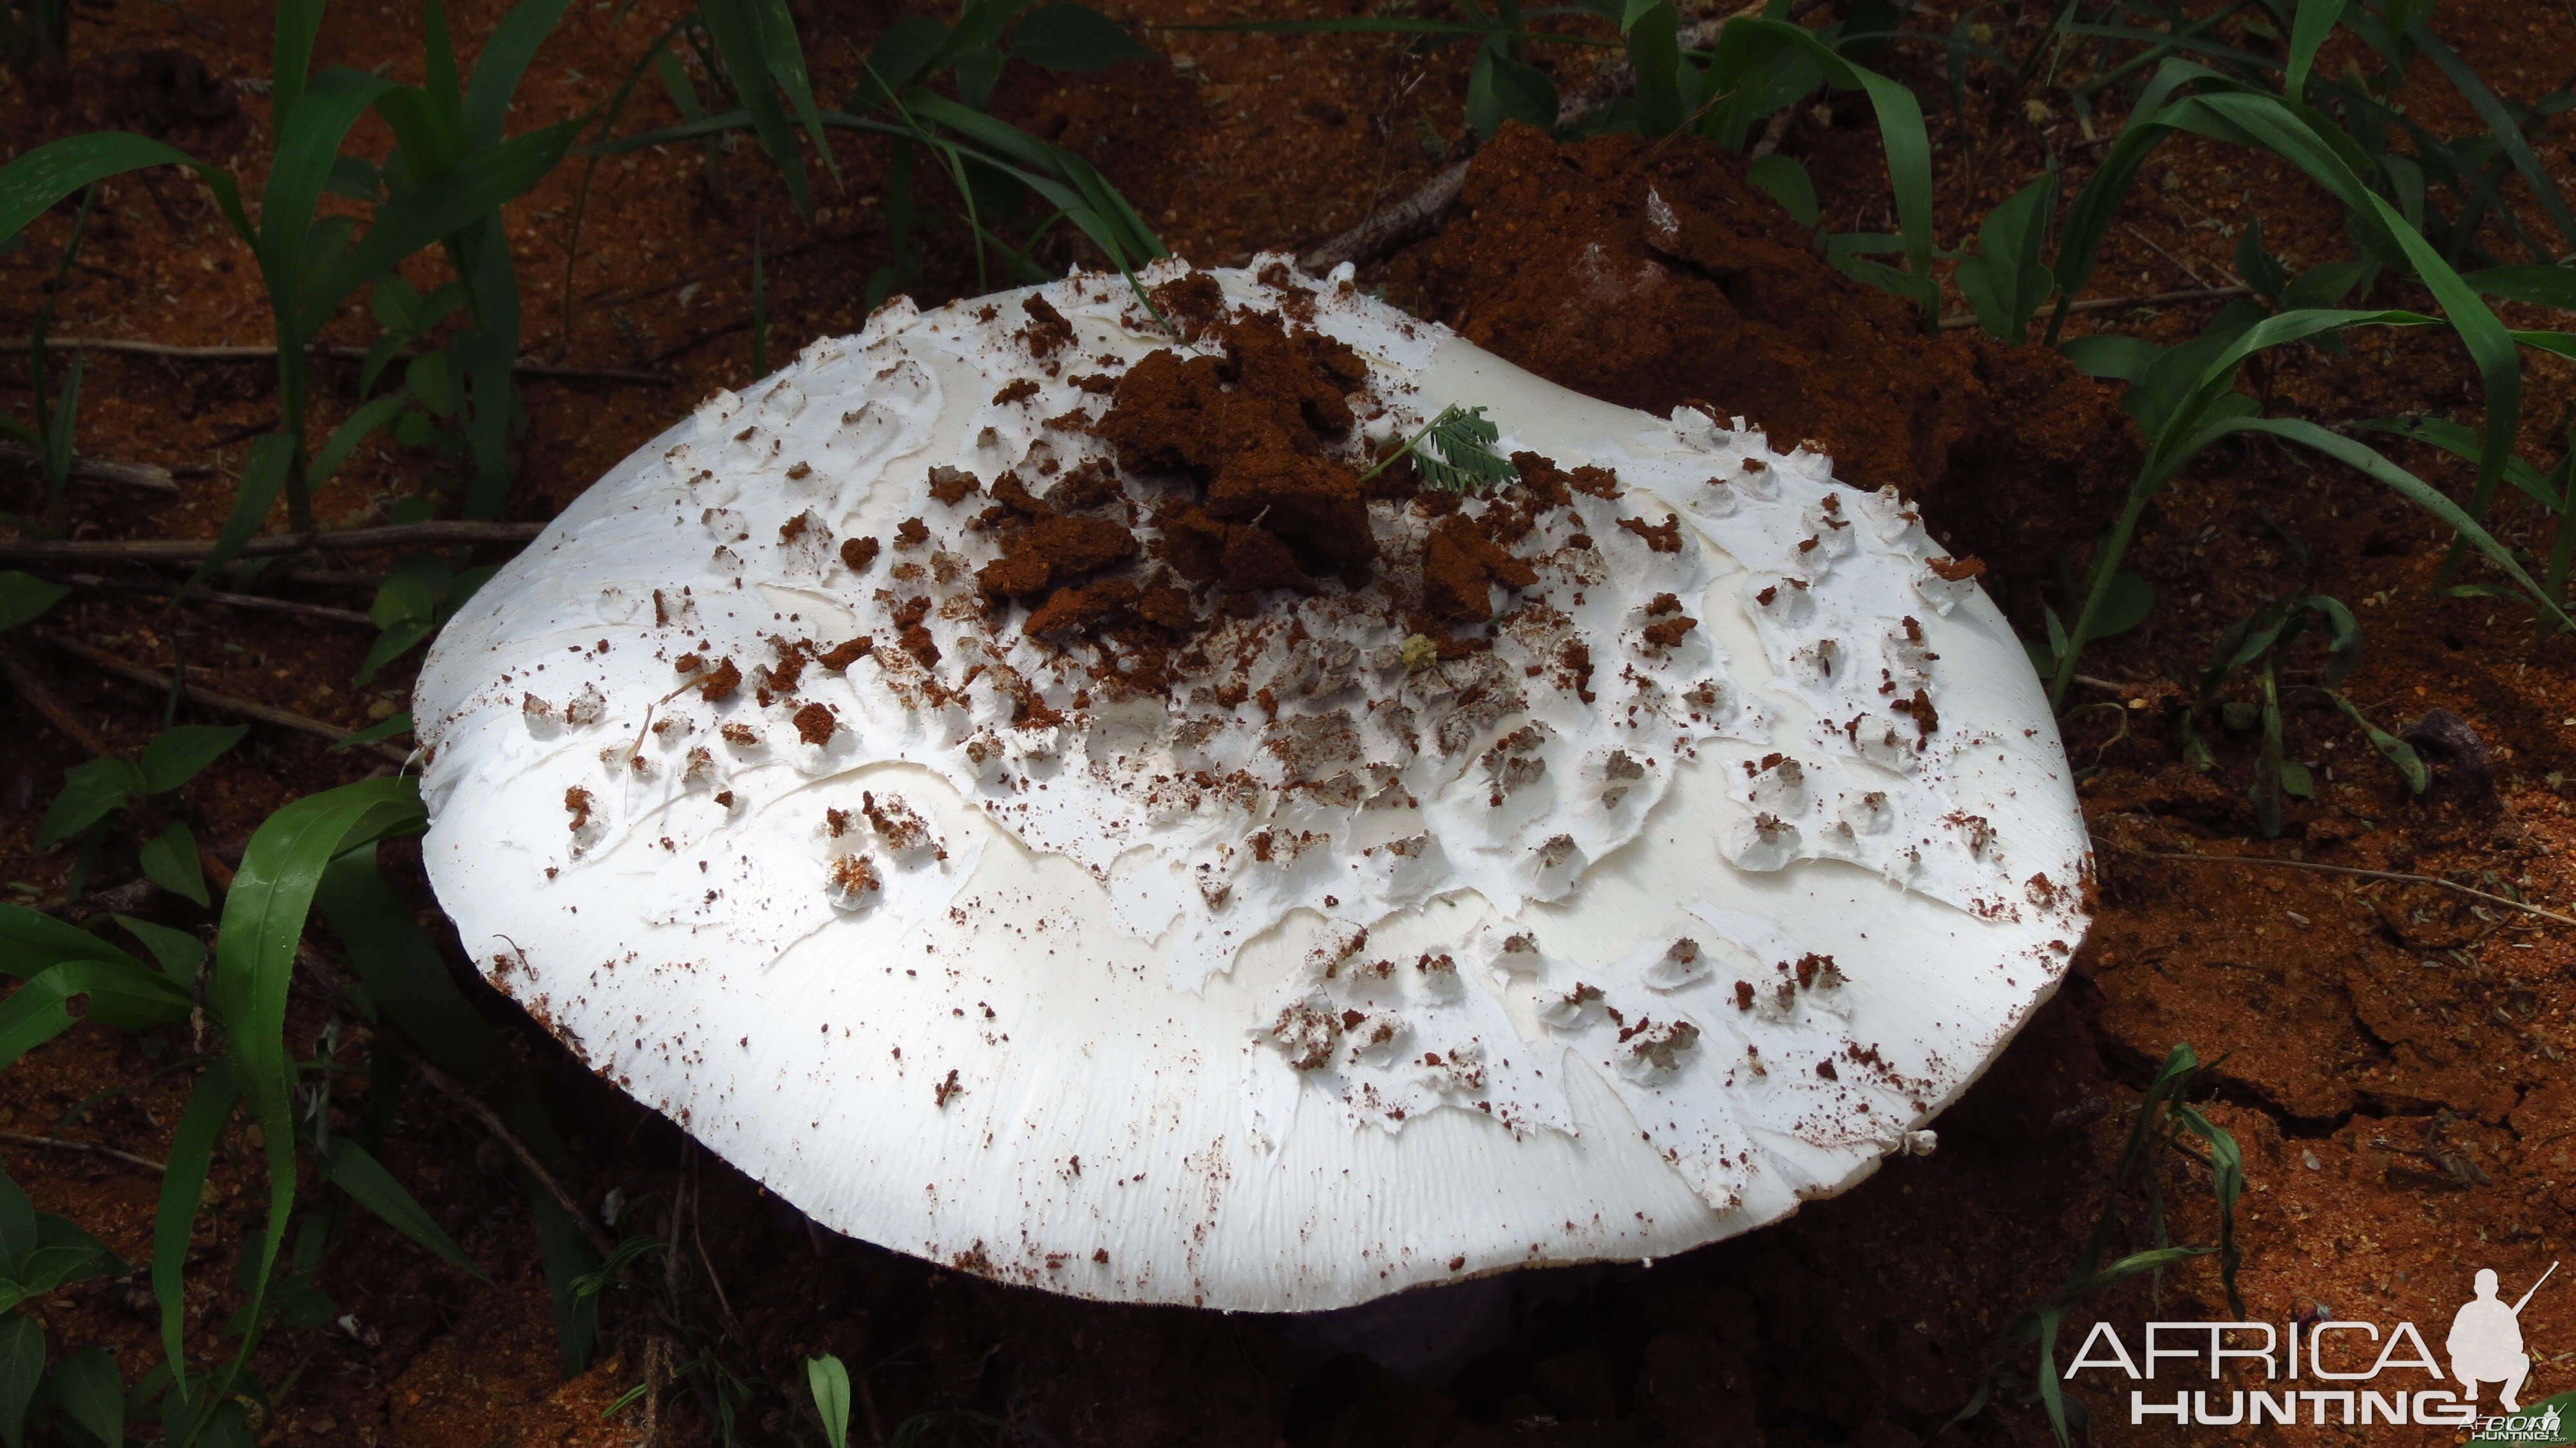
[(1920, 709), (952, 485), (578, 801), (1047, 332), (1194, 302), (1663, 537), (720, 682), (1052, 552), (858, 553), (1018, 389), (814, 724), (840, 656), (911, 533), (1459, 562), (1956, 570)]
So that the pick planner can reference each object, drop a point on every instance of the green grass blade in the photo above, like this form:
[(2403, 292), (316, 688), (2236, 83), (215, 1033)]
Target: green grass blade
[(1654, 53), (1901, 132), (2316, 20), (401, 969), (169, 860), (741, 41), (446, 95), (497, 70), (2548, 286), (366, 1180), (22, 1366), (298, 22), (263, 477), (183, 1186), (2362, 456), (786, 57), (255, 952), (23, 597), (298, 170), (444, 206), (2458, 441), (181, 955), (2500, 125), (47, 174)]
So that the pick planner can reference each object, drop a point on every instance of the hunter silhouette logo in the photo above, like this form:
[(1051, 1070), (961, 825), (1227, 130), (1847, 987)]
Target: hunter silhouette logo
[(2316, 1371), (2486, 1341)]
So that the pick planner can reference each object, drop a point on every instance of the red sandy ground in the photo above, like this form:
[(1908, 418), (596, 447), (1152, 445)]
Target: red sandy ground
[(2392, 1057)]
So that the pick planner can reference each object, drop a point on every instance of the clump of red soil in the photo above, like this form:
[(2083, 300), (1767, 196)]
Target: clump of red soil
[(1659, 276), (1234, 478)]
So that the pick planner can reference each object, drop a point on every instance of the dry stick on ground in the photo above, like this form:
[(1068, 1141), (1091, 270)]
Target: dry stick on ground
[(194, 550), (1961, 320), (229, 600), (123, 899), (92, 1147), (1418, 215), (2353, 870), (491, 1120), (149, 477), (208, 698), (52, 710), (353, 354)]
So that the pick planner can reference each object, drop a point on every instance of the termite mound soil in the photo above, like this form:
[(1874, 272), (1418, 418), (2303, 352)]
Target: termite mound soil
[(1660, 276)]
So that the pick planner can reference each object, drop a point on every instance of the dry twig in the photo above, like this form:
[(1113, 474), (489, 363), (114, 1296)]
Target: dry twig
[(228, 600), (92, 1147), (1959, 321), (2354, 870), (196, 550), (207, 698), (51, 709), (353, 354), (149, 477), (491, 1121)]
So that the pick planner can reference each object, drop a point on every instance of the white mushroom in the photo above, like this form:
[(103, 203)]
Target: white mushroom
[(1002, 891)]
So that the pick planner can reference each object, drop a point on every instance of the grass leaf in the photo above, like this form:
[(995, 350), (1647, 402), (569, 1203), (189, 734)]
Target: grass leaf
[(178, 754), (830, 1383), (183, 1186), (365, 1179)]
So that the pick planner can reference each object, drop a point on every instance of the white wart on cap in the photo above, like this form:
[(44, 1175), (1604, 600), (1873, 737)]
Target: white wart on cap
[(1260, 947)]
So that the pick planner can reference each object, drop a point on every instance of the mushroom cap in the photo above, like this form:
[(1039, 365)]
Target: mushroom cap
[(1332, 970)]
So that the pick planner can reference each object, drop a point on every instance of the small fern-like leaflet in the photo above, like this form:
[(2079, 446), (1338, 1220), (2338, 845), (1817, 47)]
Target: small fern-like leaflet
[(1454, 452)]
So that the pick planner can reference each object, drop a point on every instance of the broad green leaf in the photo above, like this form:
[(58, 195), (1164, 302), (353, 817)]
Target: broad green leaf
[(1786, 179), (169, 860), (390, 726), (2008, 278), (829, 1381), (307, 143), (125, 996), (24, 596), (365, 1179), (1503, 89), (183, 1185), (91, 792), (432, 383), (22, 1363), (31, 940), (398, 639), (362, 423), (178, 754), (88, 1389), (2254, 262), (402, 970), (181, 955), (2112, 355), (2126, 606), (1070, 37)]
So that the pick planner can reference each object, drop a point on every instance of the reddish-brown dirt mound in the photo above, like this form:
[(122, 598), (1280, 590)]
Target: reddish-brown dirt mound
[(1660, 277)]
